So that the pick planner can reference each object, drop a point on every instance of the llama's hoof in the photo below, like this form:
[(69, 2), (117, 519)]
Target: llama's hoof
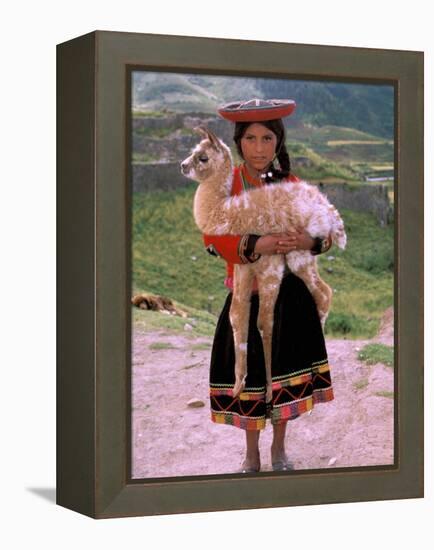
[(268, 394), (239, 386)]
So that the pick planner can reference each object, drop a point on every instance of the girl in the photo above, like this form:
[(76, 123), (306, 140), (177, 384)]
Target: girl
[(300, 371)]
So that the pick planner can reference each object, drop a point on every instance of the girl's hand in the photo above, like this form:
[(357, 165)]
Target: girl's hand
[(282, 243)]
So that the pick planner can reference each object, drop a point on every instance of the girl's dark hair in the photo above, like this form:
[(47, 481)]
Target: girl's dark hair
[(277, 127)]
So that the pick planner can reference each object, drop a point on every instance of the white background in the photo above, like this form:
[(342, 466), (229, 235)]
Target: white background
[(29, 34)]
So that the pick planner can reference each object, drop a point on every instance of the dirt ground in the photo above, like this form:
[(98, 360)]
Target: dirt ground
[(174, 438)]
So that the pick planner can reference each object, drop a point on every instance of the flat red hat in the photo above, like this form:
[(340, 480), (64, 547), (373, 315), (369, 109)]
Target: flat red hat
[(257, 110)]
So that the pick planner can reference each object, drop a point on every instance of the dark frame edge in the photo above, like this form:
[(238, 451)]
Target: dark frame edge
[(213, 495), (75, 384), (409, 335)]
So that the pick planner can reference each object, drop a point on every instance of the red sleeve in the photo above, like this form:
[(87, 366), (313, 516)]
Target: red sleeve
[(226, 246)]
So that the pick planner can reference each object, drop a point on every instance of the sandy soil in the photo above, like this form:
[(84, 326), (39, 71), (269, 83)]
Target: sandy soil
[(174, 438)]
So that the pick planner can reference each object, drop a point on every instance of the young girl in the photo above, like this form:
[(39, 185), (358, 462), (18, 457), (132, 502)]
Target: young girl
[(300, 371)]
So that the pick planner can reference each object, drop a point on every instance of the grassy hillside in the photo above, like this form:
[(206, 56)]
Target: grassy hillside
[(344, 145), (169, 258), (366, 107), (168, 253)]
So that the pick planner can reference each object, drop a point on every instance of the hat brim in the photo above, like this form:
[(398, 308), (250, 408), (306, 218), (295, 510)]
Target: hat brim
[(236, 112)]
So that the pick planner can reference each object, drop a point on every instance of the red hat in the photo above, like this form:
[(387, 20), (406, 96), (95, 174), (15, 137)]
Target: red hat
[(257, 110)]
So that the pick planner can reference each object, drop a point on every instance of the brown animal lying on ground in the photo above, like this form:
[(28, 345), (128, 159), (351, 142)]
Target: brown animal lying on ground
[(155, 302)]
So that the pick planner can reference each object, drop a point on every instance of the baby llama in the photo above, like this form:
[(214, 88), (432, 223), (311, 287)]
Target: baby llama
[(269, 209)]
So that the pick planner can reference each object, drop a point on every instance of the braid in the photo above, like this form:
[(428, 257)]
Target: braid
[(284, 163)]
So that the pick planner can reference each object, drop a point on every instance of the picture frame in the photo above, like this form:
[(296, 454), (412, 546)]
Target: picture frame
[(94, 262)]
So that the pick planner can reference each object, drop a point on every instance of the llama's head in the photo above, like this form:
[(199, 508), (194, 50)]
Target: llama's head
[(209, 158)]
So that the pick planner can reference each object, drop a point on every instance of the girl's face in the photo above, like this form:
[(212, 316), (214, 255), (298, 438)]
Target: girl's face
[(258, 146)]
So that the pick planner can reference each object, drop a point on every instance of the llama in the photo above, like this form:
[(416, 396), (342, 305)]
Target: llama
[(269, 209)]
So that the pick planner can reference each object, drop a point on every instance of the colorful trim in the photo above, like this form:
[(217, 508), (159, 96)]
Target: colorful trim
[(242, 247), (293, 395), (238, 421)]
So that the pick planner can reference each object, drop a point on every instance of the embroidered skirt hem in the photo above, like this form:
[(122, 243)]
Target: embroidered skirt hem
[(300, 370)]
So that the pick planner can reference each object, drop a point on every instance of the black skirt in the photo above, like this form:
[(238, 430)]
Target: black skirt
[(300, 370)]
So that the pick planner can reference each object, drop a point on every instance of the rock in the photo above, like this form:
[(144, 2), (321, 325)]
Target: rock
[(332, 461), (195, 403)]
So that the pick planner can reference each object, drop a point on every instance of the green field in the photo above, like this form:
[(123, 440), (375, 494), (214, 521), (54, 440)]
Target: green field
[(169, 258), (350, 152)]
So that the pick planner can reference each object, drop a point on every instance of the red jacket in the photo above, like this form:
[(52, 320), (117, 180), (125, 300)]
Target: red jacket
[(230, 247)]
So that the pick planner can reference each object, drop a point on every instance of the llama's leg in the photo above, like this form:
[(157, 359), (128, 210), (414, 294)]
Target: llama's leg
[(327, 293), (269, 276), (305, 266), (239, 317)]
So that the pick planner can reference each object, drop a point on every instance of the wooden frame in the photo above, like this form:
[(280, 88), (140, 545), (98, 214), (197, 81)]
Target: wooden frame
[(94, 262)]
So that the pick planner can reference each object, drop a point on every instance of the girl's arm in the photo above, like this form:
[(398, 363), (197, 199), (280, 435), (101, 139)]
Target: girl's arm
[(234, 249), (283, 243)]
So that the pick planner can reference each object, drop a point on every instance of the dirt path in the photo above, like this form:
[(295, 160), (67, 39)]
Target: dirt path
[(171, 438)]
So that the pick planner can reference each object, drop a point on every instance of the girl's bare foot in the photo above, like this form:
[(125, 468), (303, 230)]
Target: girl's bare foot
[(250, 465), (252, 462), (279, 460)]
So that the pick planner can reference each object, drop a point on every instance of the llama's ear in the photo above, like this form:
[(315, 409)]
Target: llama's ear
[(214, 140), (201, 130)]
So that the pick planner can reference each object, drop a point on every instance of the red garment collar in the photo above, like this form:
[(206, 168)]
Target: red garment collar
[(256, 182)]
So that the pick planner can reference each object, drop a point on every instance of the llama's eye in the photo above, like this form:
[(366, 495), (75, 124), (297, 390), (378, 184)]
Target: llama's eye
[(203, 159)]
